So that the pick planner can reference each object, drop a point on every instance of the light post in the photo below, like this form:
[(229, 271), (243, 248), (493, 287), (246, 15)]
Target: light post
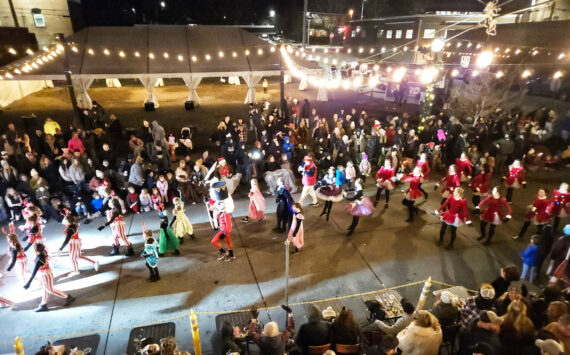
[(305, 8), (362, 10)]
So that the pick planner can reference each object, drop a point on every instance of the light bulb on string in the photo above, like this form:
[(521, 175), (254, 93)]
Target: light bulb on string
[(562, 55), (29, 51), (165, 55), (454, 73), (557, 75), (517, 51), (376, 67), (383, 49), (485, 59), (499, 74), (90, 51), (334, 61), (12, 51), (122, 54), (349, 51), (151, 55), (534, 52), (106, 51), (220, 54), (259, 51), (474, 73), (525, 74), (137, 54), (194, 58), (234, 54), (389, 69), (478, 46), (74, 49), (208, 57), (272, 49), (247, 52), (180, 58)]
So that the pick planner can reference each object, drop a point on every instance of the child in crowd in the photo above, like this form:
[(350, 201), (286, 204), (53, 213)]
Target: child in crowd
[(156, 199), (96, 202), (133, 200), (172, 185), (364, 167), (145, 201), (162, 185), (350, 173)]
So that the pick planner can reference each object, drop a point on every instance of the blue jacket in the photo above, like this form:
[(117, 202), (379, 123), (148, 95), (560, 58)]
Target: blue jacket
[(531, 256), (340, 178)]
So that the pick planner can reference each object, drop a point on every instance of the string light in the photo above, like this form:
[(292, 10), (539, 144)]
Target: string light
[(485, 59), (106, 51), (525, 74), (12, 51), (194, 58), (478, 46), (91, 52), (562, 55), (454, 73), (259, 51), (474, 73), (349, 50), (272, 49), (234, 54), (535, 52), (180, 58), (137, 54), (469, 45), (9, 76), (221, 54), (122, 54), (376, 67), (165, 55), (151, 55), (360, 50), (517, 51), (557, 75), (17, 71), (74, 49), (45, 49), (383, 49), (29, 51), (247, 52), (371, 50), (35, 66), (499, 74), (208, 57)]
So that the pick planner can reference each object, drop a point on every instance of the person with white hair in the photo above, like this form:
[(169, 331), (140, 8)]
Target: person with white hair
[(271, 341), (446, 310)]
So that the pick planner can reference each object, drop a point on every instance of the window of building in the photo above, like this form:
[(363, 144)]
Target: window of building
[(363, 33), (389, 34), (409, 34), (398, 33), (353, 33), (429, 33), (379, 32)]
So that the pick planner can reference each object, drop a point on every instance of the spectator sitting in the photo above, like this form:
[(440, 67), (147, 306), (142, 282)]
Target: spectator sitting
[(272, 341), (475, 304), (401, 323), (422, 337), (229, 343), (145, 201), (486, 330), (517, 330), (445, 309), (96, 202), (75, 144), (51, 126), (316, 332), (344, 330)]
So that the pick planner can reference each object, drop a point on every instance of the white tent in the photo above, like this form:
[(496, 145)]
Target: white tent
[(153, 52)]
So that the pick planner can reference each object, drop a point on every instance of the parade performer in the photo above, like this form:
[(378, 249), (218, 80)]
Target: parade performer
[(309, 171), (115, 219), (256, 203), (464, 167), (18, 256), (451, 181), (480, 184), (284, 210), (515, 179), (46, 279), (537, 213), (359, 206), (72, 238), (329, 192), (296, 233), (385, 181), (364, 167), (180, 223), (413, 192), (150, 254), (455, 215), (494, 210), (559, 204), (168, 240), (232, 180), (33, 231), (423, 164), (225, 223), (5, 303)]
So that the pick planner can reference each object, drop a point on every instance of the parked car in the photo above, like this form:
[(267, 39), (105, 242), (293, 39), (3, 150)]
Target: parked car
[(549, 87)]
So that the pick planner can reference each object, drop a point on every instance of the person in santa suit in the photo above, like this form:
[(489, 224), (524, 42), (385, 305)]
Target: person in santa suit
[(413, 192), (559, 205), (455, 215), (515, 179), (423, 164), (309, 171), (480, 185), (115, 219), (42, 269), (464, 167), (537, 213), (385, 181), (256, 203), (225, 224), (72, 238), (296, 233), (284, 210), (451, 180), (225, 173), (18, 256), (359, 206), (329, 192), (494, 210)]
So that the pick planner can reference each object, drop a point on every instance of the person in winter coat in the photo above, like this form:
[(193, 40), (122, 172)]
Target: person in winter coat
[(228, 339), (344, 330), (136, 176), (485, 329), (315, 332), (559, 254), (271, 341), (445, 310), (422, 337), (474, 305), (531, 258)]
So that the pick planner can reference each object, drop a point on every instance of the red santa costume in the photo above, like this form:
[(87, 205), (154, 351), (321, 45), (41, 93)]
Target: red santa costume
[(559, 205), (413, 192), (452, 181), (424, 166), (464, 168), (537, 213), (480, 184), (514, 179), (384, 178), (309, 171), (225, 225), (72, 238), (494, 209), (455, 215)]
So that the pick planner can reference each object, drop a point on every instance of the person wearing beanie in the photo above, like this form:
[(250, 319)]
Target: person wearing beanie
[(446, 310), (475, 304), (549, 347), (315, 332), (271, 341), (401, 323), (484, 329)]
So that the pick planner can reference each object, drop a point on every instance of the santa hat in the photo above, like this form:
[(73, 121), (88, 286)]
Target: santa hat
[(308, 158), (221, 160)]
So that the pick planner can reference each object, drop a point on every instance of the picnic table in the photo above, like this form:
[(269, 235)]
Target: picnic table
[(155, 331), (391, 302), (87, 344)]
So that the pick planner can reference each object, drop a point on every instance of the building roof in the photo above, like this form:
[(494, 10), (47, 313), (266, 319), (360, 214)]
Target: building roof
[(156, 50)]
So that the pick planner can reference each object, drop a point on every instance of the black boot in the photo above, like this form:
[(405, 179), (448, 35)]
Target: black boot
[(193, 236), (129, 251), (156, 274), (177, 252), (150, 273), (115, 250), (42, 308), (69, 299), (181, 240)]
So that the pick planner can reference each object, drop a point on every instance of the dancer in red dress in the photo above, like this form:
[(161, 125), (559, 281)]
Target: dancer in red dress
[(115, 219), (480, 184), (72, 238), (18, 256), (537, 213), (455, 215), (423, 164), (413, 192), (515, 179), (559, 205), (451, 181), (46, 279), (385, 181), (464, 167), (494, 210)]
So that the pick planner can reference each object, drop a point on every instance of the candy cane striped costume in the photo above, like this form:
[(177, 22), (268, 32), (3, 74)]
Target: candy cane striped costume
[(46, 280), (72, 237), (34, 234), (5, 303), (21, 263)]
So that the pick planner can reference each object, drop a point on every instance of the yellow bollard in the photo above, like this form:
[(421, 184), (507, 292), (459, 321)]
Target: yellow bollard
[(195, 333), (424, 295), (19, 347)]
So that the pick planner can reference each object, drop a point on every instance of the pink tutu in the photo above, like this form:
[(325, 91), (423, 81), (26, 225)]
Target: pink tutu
[(329, 193), (364, 207)]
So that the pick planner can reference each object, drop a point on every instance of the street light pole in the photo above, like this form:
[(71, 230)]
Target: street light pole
[(13, 11), (305, 9), (362, 9)]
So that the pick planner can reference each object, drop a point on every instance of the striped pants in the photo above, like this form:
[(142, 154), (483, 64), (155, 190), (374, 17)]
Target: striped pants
[(75, 253), (119, 233), (46, 279), (22, 270), (5, 303)]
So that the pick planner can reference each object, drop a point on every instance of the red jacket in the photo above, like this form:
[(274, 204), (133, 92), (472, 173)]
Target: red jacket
[(451, 182), (481, 181), (424, 165), (463, 167), (309, 173), (558, 203), (413, 192), (455, 208), (515, 175), (225, 222), (386, 174), (539, 212), (491, 206), (224, 171)]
